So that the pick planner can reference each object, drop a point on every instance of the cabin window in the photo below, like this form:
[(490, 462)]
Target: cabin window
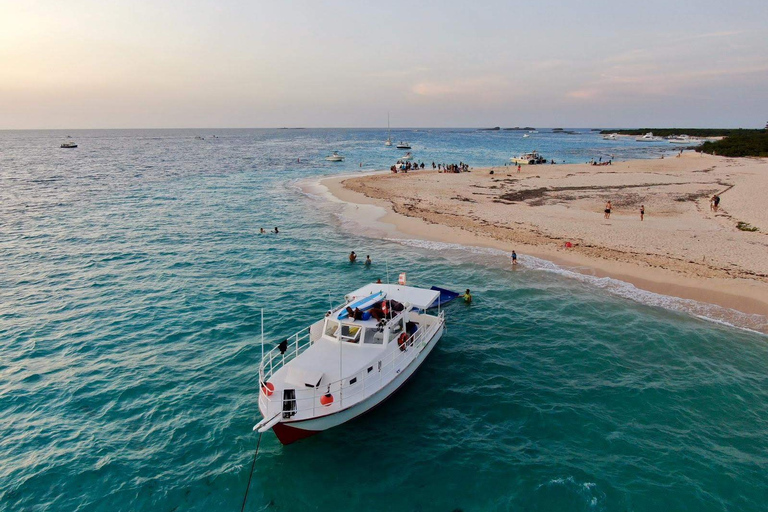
[(352, 380), (330, 328), (350, 333), (373, 337)]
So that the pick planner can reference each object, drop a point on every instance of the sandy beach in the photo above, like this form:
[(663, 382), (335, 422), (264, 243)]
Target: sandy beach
[(682, 248)]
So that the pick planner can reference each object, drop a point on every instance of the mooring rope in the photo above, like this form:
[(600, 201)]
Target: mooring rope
[(253, 465)]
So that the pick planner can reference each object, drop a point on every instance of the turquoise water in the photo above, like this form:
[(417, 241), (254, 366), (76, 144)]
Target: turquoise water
[(132, 284)]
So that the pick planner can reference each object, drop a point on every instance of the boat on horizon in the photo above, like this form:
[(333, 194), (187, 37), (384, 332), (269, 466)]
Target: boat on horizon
[(403, 145), (335, 157), (68, 145), (349, 362), (388, 142), (611, 136)]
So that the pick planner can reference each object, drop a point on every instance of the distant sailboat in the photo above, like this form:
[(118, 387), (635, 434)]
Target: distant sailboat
[(389, 137)]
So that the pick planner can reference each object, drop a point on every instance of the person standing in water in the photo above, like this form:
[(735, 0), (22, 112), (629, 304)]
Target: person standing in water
[(467, 297), (368, 261), (514, 258), (352, 257), (276, 230)]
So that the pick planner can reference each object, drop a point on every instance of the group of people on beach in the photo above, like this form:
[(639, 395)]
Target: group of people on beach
[(406, 166), (599, 161), (609, 207), (456, 168)]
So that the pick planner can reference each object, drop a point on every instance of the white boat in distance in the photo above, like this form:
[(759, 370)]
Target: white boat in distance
[(388, 142), (68, 145), (683, 139), (335, 157), (525, 135), (648, 137), (403, 145), (342, 367), (611, 136), (407, 156)]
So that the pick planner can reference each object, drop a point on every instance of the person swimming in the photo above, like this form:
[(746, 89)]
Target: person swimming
[(276, 230), (368, 260), (352, 257)]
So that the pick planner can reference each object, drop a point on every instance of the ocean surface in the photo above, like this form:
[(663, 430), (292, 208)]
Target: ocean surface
[(133, 276)]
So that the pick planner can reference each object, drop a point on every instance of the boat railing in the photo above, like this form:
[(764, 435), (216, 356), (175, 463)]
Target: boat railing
[(352, 388)]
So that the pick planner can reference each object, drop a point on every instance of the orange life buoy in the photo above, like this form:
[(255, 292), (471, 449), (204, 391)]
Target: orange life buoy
[(326, 399), (268, 388), (402, 340)]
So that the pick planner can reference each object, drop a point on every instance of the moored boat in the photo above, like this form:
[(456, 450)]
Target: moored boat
[(531, 158), (648, 137), (403, 145), (68, 145), (348, 362), (335, 157)]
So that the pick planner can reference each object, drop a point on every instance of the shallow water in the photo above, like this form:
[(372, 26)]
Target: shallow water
[(133, 280)]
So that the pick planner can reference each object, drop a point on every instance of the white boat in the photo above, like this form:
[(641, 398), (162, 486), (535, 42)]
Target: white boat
[(611, 136), (68, 145), (340, 368), (403, 145), (648, 137), (388, 142), (683, 139), (335, 157), (528, 159), (407, 156), (525, 135)]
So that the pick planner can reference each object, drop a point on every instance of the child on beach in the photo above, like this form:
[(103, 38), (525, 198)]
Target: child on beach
[(514, 258), (607, 210), (642, 211)]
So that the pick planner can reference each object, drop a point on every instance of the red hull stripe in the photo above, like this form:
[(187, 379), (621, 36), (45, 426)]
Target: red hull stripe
[(288, 435)]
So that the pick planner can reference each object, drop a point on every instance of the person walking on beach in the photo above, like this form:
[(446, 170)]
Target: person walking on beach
[(714, 203), (607, 210), (642, 212), (514, 258), (352, 257), (518, 167)]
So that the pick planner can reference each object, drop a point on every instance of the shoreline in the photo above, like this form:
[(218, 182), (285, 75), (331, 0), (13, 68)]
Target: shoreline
[(389, 218)]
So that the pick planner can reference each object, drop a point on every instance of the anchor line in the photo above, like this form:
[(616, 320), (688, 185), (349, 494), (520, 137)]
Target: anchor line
[(253, 465)]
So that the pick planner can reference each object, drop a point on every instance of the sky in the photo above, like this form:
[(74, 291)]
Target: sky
[(310, 63)]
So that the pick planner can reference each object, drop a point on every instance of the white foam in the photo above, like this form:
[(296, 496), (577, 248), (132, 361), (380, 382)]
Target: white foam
[(710, 312)]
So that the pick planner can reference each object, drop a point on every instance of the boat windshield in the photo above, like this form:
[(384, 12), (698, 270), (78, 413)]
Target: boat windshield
[(331, 326)]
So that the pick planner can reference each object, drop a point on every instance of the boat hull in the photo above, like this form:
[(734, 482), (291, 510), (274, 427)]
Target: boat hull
[(291, 431)]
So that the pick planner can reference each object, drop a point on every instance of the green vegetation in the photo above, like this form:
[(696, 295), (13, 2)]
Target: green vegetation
[(744, 226), (740, 143), (693, 132)]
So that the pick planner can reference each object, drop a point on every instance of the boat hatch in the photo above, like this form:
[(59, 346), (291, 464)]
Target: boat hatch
[(350, 333), (302, 377)]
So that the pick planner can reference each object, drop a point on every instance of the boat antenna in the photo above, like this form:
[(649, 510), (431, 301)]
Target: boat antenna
[(262, 335), (386, 263), (330, 303)]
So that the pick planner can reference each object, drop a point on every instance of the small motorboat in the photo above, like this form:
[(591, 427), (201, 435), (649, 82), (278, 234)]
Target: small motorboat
[(403, 145), (68, 145), (348, 362), (648, 137), (610, 136), (407, 156), (335, 157), (525, 135), (531, 158)]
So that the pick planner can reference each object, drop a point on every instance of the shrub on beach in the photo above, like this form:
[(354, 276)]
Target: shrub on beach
[(739, 143)]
